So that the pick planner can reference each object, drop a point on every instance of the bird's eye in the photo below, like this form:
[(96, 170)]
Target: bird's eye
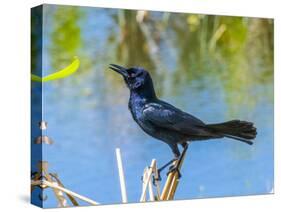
[(133, 75), (137, 74)]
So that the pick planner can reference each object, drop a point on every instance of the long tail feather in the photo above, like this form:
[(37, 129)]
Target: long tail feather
[(239, 130)]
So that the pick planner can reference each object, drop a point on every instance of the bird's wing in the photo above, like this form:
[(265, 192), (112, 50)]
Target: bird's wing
[(167, 116)]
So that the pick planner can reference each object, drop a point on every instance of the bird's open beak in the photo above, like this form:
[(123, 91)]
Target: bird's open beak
[(119, 69)]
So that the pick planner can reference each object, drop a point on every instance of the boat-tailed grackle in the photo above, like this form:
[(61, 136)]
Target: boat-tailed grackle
[(169, 124)]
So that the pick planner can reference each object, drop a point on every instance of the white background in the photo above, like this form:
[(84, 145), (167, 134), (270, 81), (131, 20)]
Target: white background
[(15, 98)]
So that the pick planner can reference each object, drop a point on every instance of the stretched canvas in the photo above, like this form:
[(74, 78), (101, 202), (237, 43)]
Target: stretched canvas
[(180, 74)]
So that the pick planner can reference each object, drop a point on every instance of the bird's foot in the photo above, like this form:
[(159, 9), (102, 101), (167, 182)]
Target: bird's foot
[(174, 168), (161, 169), (167, 164), (158, 178)]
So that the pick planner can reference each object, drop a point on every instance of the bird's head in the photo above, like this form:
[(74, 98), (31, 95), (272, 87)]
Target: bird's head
[(136, 78)]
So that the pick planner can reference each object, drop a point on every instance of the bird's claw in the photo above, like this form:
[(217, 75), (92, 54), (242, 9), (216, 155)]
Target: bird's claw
[(174, 169), (159, 178)]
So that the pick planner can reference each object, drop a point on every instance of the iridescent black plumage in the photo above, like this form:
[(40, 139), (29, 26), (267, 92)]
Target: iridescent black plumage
[(169, 124)]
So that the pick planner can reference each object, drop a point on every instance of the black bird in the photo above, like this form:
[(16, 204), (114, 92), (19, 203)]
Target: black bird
[(169, 124)]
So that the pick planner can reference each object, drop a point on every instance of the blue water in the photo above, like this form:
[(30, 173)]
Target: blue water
[(88, 118)]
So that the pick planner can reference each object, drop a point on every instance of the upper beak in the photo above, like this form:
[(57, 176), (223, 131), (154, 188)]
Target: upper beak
[(121, 70)]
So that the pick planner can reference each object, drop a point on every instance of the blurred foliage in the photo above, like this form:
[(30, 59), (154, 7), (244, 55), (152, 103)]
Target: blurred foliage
[(65, 36), (36, 40), (176, 48)]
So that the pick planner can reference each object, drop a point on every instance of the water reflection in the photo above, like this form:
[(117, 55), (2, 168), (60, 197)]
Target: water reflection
[(215, 67)]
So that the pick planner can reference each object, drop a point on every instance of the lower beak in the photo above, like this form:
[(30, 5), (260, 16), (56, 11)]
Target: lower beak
[(119, 69)]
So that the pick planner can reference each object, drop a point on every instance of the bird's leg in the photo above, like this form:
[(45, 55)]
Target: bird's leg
[(177, 155), (161, 169), (167, 164), (184, 144), (176, 167), (176, 152)]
